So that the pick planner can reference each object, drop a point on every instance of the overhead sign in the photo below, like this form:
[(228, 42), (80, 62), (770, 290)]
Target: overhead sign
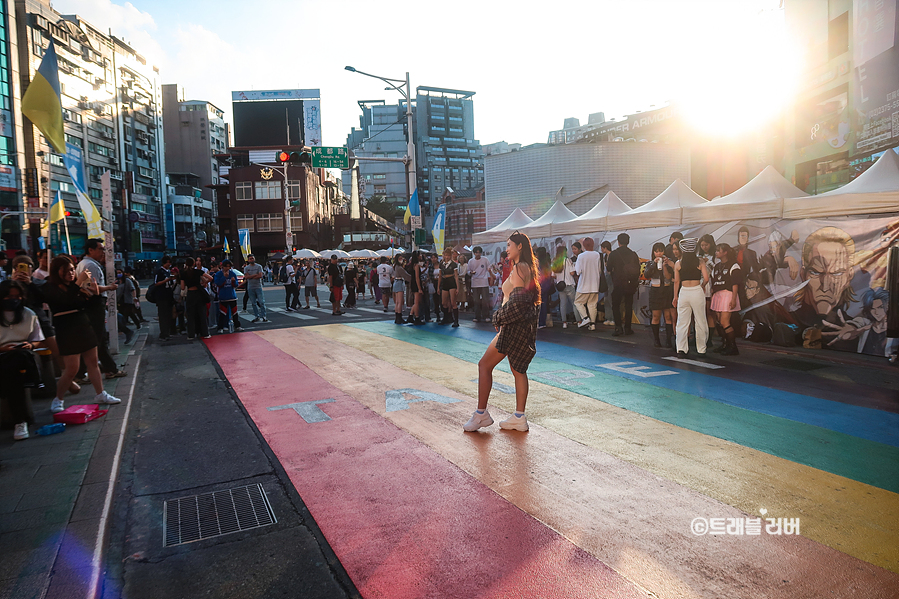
[(325, 157), (7, 178), (277, 94)]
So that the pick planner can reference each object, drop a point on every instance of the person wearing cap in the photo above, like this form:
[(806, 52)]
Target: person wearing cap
[(624, 265), (226, 282), (335, 282), (691, 276)]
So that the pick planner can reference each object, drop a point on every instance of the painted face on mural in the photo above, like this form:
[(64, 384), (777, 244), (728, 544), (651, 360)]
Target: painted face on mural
[(742, 238), (878, 311), (829, 273)]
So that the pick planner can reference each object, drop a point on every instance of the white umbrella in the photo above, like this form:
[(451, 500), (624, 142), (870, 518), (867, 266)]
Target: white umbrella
[(390, 252), (307, 254), (339, 253), (364, 254)]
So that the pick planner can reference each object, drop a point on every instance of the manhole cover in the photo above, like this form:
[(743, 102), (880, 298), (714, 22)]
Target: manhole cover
[(189, 519), (795, 364)]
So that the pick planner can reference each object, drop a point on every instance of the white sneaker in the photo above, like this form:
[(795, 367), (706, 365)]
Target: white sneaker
[(477, 421), (592, 327), (106, 398), (584, 322), (513, 422), (57, 405), (21, 431), (564, 325), (608, 323)]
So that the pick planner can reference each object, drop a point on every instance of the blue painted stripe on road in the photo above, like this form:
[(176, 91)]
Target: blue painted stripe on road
[(864, 423)]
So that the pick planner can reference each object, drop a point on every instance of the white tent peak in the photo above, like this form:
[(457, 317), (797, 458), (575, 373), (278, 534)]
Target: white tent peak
[(515, 220), (765, 186), (560, 197), (558, 213), (676, 195), (609, 205), (881, 176)]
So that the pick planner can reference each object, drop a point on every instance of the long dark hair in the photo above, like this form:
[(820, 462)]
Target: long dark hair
[(57, 263), (709, 239), (689, 260), (730, 254), (5, 287), (526, 257)]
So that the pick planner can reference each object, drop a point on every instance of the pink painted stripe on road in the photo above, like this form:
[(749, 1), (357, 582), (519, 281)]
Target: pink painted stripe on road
[(403, 521)]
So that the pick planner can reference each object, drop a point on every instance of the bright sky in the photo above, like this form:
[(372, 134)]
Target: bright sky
[(727, 61)]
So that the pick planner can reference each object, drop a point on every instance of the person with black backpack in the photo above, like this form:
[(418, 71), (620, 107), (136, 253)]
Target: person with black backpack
[(624, 266), (286, 276)]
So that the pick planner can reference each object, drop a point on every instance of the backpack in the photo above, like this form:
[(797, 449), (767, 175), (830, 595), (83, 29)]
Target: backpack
[(282, 275), (633, 269), (785, 335), (758, 332), (151, 295)]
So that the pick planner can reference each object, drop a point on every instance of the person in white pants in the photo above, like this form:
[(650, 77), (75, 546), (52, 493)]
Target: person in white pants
[(691, 277), (587, 270)]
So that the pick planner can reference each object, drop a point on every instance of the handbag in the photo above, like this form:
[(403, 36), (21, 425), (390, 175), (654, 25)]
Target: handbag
[(79, 414), (151, 295), (560, 285)]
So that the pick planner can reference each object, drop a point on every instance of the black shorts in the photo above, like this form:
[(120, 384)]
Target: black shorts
[(311, 291)]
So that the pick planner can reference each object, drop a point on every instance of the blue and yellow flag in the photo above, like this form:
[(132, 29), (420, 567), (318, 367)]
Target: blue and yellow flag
[(227, 249), (243, 237), (413, 209), (439, 228), (57, 209), (42, 104)]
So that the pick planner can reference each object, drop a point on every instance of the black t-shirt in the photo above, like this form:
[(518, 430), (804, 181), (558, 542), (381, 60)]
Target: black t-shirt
[(336, 275), (192, 277), (351, 275), (725, 276)]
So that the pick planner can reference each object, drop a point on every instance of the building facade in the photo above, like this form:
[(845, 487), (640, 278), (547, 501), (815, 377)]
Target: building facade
[(194, 134), (448, 154), (111, 101), (190, 221), (530, 179), (381, 134), (465, 215), (847, 110)]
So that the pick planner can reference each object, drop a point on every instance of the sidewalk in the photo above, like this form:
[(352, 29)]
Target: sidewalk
[(53, 491)]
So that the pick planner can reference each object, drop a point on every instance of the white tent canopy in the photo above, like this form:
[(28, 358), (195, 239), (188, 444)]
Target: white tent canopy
[(874, 191), (516, 220), (550, 222), (762, 197), (364, 254), (665, 210), (595, 219)]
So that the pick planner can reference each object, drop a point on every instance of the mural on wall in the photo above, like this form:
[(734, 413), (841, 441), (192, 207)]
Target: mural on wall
[(827, 274)]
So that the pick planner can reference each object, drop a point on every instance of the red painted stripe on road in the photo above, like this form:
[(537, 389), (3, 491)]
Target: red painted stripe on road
[(403, 521)]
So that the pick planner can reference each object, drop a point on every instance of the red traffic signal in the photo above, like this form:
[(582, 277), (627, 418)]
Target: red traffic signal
[(68, 213), (286, 157)]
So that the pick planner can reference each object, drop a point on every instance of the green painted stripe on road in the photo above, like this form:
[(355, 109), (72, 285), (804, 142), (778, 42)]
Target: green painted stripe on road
[(862, 460)]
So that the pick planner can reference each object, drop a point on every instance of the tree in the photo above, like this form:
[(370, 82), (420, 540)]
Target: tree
[(383, 208)]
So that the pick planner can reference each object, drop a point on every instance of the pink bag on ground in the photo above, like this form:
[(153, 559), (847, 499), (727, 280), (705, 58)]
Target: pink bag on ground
[(79, 414)]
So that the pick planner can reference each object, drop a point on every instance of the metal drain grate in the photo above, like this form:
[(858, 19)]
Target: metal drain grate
[(197, 517), (791, 364)]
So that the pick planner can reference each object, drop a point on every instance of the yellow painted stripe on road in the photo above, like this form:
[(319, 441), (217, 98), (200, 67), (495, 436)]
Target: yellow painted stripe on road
[(857, 519)]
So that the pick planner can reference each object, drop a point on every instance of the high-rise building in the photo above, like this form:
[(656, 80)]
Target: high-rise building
[(381, 134), (194, 134), (447, 152), (111, 101), (12, 234)]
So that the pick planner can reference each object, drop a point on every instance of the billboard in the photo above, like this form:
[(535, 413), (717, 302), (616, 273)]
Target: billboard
[(876, 74), (269, 123), (276, 94)]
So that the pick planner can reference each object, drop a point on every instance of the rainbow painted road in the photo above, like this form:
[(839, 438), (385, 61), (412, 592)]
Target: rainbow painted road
[(635, 480)]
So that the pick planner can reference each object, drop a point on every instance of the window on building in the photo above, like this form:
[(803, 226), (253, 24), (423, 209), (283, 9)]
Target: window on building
[(71, 116), (98, 149), (95, 194), (293, 189), (271, 222), (245, 221), (243, 190), (380, 176), (61, 186), (296, 221), (268, 190), (838, 36), (75, 141)]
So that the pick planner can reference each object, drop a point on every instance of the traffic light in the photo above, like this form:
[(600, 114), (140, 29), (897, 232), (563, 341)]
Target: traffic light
[(294, 157), (68, 213)]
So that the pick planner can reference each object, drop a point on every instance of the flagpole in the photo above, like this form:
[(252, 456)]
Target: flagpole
[(65, 221)]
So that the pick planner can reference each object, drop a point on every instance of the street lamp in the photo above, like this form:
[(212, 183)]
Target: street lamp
[(405, 89)]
